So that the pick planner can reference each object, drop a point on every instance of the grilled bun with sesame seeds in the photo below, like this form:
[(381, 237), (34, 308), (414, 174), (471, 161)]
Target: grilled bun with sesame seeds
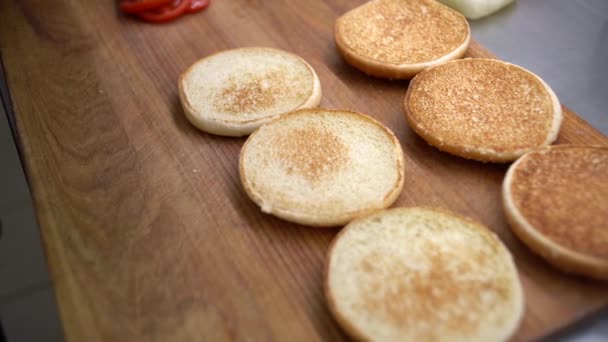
[(420, 274), (322, 167), (483, 109), (234, 92), (556, 201), (397, 39)]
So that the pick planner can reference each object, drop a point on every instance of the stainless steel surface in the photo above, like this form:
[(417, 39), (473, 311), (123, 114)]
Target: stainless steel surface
[(565, 42)]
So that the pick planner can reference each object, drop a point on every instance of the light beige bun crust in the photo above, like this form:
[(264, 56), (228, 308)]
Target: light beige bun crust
[(239, 102), (321, 167), (556, 201), (482, 109), (373, 39), (418, 274)]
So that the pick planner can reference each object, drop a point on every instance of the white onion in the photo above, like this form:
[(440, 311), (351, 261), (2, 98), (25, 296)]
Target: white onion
[(475, 9)]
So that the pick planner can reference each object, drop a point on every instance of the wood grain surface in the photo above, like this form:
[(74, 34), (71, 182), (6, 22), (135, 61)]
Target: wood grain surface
[(147, 231)]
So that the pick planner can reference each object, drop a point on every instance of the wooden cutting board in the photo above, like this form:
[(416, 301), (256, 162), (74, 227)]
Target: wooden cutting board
[(147, 231)]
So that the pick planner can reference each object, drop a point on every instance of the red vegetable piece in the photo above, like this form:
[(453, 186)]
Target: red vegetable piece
[(136, 6), (198, 5), (165, 13)]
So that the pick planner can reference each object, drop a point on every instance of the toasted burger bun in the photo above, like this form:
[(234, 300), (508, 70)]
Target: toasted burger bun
[(483, 109), (236, 91), (322, 167), (419, 274), (556, 201), (397, 39)]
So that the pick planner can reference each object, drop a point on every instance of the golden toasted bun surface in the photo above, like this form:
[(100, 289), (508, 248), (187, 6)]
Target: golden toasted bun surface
[(482, 109), (419, 274), (322, 167), (402, 32), (235, 91), (562, 193)]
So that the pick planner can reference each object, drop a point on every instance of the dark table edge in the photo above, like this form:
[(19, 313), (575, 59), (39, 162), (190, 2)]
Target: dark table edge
[(7, 106), (577, 326), (7, 103)]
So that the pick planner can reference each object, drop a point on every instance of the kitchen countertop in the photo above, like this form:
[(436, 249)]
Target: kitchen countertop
[(565, 42)]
